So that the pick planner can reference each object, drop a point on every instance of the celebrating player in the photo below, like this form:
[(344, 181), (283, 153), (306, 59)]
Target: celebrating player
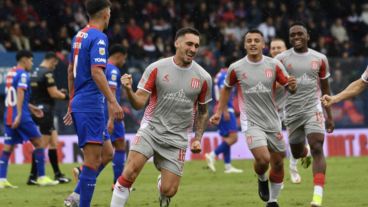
[(178, 90), (86, 78), (256, 75), (304, 115)]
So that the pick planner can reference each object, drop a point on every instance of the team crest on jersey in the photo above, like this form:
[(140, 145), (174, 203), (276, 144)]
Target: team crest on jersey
[(23, 79), (113, 77), (195, 83), (166, 78), (314, 65), (289, 66), (244, 76), (268, 73), (101, 50)]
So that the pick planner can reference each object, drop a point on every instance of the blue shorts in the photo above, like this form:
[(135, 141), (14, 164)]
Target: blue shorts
[(119, 131), (89, 126), (227, 127), (24, 132)]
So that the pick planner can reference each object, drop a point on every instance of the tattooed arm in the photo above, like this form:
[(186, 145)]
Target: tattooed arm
[(200, 126)]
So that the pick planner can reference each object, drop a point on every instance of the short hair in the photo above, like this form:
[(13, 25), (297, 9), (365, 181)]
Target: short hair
[(117, 49), (278, 39), (298, 23), (23, 53), (50, 55), (94, 6), (253, 31), (186, 30)]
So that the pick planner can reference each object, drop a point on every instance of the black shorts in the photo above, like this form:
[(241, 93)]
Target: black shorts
[(46, 123)]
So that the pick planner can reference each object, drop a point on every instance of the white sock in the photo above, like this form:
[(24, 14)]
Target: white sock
[(275, 189), (293, 162), (119, 196), (262, 177), (213, 155), (318, 190), (227, 166)]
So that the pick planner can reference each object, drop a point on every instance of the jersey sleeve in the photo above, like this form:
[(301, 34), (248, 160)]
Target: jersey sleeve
[(148, 80), (365, 75), (112, 77), (281, 73), (23, 80), (49, 79), (205, 95), (98, 52), (231, 78), (324, 70)]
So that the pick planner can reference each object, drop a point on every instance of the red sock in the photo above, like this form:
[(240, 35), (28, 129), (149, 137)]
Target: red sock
[(124, 182), (276, 177), (319, 179)]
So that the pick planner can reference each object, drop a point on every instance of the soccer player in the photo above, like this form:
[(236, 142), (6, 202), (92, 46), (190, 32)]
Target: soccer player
[(255, 75), (178, 90), (44, 91), (304, 115), (19, 126), (88, 86), (114, 131), (354, 89), (278, 46), (227, 127), (118, 55)]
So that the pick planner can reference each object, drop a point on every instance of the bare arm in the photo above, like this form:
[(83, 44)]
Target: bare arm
[(70, 80), (20, 99), (55, 93), (224, 98), (354, 89), (201, 121), (325, 88), (139, 98)]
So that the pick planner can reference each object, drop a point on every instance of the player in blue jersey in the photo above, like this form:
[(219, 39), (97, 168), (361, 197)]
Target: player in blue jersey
[(227, 128), (116, 129), (19, 126), (89, 90)]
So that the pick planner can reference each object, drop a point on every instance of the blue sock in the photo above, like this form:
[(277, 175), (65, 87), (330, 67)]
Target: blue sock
[(87, 182), (78, 187), (118, 163), (221, 148), (4, 160), (227, 157), (40, 161)]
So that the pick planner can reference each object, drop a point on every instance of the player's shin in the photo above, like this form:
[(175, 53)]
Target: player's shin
[(276, 181), (87, 185)]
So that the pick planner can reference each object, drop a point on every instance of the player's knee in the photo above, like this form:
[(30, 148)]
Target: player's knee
[(37, 142), (263, 160), (169, 191), (316, 149)]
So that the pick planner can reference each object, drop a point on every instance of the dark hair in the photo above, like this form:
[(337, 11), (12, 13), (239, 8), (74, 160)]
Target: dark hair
[(186, 30), (253, 31), (94, 6), (50, 55), (117, 49), (23, 53), (298, 23)]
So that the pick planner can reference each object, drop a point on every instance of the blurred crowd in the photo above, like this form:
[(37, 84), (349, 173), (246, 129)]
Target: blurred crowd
[(146, 27)]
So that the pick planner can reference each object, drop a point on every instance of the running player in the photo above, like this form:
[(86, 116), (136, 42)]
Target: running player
[(178, 90), (354, 89), (44, 91), (278, 46), (255, 75), (227, 127), (19, 126), (88, 84), (304, 115)]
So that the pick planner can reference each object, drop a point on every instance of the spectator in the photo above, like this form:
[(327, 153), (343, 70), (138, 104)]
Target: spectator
[(338, 31), (21, 42), (135, 32), (268, 29)]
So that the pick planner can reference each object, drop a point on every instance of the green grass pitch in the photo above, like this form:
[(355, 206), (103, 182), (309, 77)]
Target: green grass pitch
[(346, 186)]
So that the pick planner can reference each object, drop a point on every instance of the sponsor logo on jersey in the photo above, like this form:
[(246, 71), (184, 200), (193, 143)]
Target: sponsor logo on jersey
[(101, 42), (268, 73), (259, 88), (101, 51), (304, 80), (314, 65), (195, 83), (177, 96), (100, 60)]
